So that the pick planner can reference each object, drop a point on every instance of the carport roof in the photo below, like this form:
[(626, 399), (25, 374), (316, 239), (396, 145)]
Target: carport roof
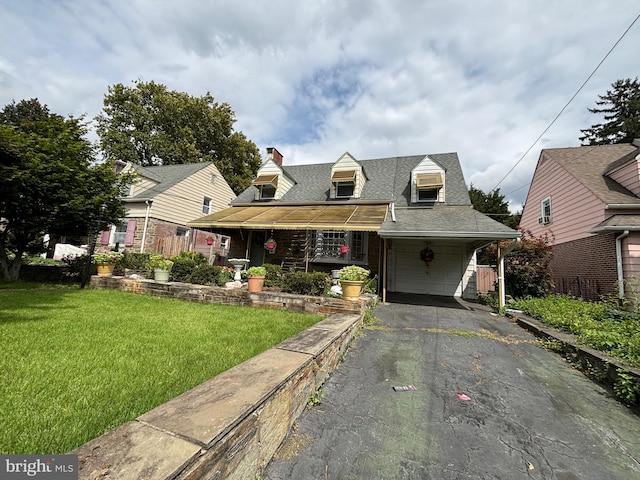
[(360, 217), (444, 222)]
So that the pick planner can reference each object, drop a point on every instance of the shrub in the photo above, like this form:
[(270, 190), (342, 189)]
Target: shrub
[(273, 277), (133, 261), (527, 266), (210, 275), (303, 283), (184, 264)]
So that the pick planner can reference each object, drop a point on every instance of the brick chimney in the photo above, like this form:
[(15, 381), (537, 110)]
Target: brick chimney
[(274, 155)]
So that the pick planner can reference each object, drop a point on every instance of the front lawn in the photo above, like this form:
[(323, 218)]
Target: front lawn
[(78, 363)]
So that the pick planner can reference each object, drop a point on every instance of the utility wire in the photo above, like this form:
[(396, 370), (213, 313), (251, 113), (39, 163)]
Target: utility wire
[(568, 103)]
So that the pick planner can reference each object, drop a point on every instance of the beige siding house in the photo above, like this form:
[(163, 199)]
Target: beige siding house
[(161, 201), (587, 200)]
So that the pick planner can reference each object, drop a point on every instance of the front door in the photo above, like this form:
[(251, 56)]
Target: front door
[(256, 247)]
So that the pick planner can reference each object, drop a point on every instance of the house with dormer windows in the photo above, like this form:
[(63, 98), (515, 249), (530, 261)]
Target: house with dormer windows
[(587, 201), (408, 219)]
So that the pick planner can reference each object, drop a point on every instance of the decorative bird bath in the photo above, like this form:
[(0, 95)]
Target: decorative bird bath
[(238, 264)]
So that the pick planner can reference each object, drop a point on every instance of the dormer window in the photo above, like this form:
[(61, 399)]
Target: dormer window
[(266, 185), (345, 183), (428, 186)]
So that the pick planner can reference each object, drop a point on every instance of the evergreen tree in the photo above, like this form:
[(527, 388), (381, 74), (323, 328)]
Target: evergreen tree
[(621, 109)]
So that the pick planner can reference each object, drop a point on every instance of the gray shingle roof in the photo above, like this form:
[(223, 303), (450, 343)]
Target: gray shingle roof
[(589, 164), (388, 179), (167, 176), (448, 222)]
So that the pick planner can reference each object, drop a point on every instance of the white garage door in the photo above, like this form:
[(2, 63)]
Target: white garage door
[(408, 274)]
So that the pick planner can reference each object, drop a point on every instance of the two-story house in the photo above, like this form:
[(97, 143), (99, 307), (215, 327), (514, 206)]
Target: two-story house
[(587, 200), (408, 219), (159, 203)]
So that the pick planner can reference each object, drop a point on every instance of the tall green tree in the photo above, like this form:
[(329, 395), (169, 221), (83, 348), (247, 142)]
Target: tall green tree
[(150, 125), (620, 107), (494, 205), (49, 181)]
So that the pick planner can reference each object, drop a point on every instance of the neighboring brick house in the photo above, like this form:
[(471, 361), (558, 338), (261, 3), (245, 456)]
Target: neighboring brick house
[(587, 199), (408, 219), (161, 201)]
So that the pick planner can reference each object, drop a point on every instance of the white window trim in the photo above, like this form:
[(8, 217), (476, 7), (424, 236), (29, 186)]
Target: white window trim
[(206, 204), (545, 219), (347, 258), (434, 200)]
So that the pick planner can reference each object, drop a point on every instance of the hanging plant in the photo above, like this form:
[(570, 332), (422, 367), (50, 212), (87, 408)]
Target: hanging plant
[(427, 255), (270, 245), (344, 249)]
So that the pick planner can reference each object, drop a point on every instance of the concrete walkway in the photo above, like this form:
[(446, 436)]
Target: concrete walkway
[(488, 404)]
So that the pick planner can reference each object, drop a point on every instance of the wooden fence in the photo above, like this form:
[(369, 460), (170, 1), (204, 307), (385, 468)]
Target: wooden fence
[(486, 277)]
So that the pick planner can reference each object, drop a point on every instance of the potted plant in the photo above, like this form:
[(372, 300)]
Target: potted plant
[(161, 267), (106, 262), (255, 278), (352, 278)]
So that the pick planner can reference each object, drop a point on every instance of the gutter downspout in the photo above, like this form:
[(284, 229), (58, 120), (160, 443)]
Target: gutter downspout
[(146, 224), (619, 239), (385, 251), (501, 255)]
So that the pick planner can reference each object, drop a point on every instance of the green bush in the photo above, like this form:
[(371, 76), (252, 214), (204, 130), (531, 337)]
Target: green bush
[(273, 278), (198, 258), (303, 283), (133, 261), (184, 264), (210, 275)]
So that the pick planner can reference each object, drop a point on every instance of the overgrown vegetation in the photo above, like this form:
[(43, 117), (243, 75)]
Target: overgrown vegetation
[(78, 363), (599, 325)]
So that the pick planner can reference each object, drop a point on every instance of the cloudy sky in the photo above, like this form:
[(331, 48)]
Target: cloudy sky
[(317, 78)]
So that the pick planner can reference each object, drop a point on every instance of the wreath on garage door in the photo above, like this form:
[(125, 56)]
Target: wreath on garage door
[(427, 255)]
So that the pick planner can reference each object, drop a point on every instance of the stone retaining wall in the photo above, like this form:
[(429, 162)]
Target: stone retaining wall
[(234, 296), (230, 426)]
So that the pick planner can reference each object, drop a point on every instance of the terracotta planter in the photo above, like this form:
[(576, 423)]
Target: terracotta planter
[(106, 269), (351, 289), (255, 283)]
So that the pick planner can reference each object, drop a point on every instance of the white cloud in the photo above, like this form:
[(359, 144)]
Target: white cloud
[(315, 79)]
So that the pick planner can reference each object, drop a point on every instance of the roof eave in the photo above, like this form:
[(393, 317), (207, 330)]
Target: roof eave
[(614, 228), (427, 234)]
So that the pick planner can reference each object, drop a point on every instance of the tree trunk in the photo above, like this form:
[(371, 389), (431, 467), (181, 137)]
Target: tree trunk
[(11, 270)]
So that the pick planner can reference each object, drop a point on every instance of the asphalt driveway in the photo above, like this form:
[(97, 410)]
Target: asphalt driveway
[(488, 404)]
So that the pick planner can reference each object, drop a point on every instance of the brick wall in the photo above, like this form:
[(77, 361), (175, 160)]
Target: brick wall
[(592, 260)]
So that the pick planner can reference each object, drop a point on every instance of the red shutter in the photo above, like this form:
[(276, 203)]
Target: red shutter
[(130, 235), (104, 237)]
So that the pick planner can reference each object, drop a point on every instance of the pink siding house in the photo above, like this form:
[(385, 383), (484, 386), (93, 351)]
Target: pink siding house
[(588, 200)]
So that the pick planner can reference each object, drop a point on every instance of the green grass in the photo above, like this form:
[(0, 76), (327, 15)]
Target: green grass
[(78, 363), (599, 325)]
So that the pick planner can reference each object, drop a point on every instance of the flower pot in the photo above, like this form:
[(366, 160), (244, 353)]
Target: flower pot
[(255, 283), (105, 269), (160, 275), (351, 289)]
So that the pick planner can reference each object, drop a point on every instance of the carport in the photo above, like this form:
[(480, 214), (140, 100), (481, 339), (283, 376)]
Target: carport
[(450, 235)]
